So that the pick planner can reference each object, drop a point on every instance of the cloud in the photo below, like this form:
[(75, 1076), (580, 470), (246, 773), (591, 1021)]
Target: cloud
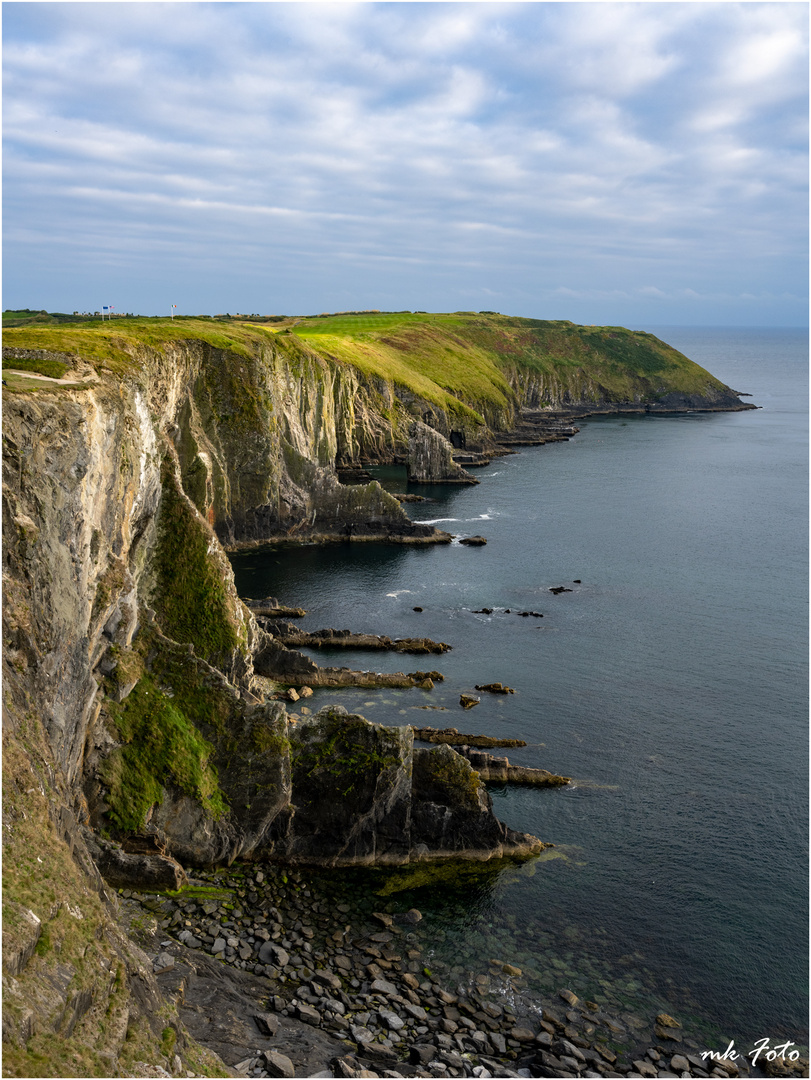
[(278, 140)]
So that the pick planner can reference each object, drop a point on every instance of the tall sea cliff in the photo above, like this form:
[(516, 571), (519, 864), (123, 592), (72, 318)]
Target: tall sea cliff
[(142, 738)]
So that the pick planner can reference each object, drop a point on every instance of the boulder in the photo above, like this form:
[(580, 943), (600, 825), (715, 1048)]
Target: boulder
[(126, 871), (277, 1064), (473, 541)]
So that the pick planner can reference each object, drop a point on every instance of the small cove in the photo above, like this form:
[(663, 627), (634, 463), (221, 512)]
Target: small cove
[(670, 684)]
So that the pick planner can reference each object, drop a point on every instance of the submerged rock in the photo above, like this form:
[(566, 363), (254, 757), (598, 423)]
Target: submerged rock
[(456, 738)]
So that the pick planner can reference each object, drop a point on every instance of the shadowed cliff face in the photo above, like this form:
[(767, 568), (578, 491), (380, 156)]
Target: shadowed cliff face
[(132, 703), (123, 481), (129, 643)]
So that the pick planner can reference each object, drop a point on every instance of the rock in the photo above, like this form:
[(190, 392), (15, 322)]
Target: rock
[(499, 768), (467, 701), (473, 541), (665, 1021), (568, 996), (277, 1064), (441, 778), (565, 1047), (773, 1067), (663, 1033), (645, 1068), (308, 1014), (329, 638), (559, 589), (410, 917), (326, 978), (510, 969), (391, 1020), (679, 1063), (483, 611), (495, 688), (291, 695), (305, 692), (430, 458), (417, 609), (522, 1034), (271, 953), (163, 962), (422, 1053), (135, 871), (453, 737)]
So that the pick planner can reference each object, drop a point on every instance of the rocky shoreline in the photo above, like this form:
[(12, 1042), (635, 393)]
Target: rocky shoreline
[(282, 979)]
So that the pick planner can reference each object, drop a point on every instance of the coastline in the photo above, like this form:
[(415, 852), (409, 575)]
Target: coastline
[(756, 1072), (114, 590), (343, 980)]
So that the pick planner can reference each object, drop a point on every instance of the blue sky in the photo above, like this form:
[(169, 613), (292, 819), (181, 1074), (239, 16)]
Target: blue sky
[(617, 163)]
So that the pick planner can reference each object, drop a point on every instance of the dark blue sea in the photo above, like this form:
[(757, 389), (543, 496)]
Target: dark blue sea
[(671, 683)]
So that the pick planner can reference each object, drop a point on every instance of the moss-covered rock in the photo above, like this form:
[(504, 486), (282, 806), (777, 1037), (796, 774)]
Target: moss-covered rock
[(352, 790)]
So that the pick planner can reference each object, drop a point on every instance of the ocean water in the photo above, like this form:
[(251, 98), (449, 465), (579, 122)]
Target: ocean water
[(671, 684)]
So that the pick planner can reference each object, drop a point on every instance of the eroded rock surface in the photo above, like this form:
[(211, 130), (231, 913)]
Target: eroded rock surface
[(430, 458)]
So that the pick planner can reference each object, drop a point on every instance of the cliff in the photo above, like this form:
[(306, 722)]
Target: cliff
[(138, 732)]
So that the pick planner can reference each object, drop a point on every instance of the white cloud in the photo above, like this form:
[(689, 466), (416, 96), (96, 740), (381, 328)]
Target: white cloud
[(476, 135)]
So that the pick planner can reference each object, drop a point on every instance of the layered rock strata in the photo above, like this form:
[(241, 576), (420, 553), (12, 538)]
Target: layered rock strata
[(430, 458), (290, 635), (135, 680)]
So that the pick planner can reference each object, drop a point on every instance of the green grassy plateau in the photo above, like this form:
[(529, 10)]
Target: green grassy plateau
[(461, 360)]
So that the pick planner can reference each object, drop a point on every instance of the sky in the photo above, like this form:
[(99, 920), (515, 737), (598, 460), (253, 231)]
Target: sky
[(611, 163)]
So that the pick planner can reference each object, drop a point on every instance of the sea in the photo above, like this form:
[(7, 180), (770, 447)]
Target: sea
[(670, 682)]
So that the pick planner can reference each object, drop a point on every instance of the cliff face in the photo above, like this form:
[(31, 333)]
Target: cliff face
[(124, 479), (132, 696)]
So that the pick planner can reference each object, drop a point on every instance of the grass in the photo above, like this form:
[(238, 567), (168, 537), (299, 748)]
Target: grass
[(348, 754), (79, 950), (469, 364), (28, 317), (54, 369), (192, 601), (119, 346), (160, 745), (21, 383)]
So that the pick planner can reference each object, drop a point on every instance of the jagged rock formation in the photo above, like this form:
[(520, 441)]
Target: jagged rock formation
[(329, 638), (134, 699), (430, 458), (500, 770)]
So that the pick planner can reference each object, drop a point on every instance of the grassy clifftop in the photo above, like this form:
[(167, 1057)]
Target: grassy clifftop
[(463, 362)]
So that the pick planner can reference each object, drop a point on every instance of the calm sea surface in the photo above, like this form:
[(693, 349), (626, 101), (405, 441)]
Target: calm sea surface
[(671, 684)]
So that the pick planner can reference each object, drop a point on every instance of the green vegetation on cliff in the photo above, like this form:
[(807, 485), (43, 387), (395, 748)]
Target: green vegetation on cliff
[(159, 745), (191, 598), (474, 366)]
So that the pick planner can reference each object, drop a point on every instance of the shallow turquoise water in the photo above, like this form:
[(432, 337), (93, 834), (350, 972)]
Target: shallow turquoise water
[(671, 684)]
